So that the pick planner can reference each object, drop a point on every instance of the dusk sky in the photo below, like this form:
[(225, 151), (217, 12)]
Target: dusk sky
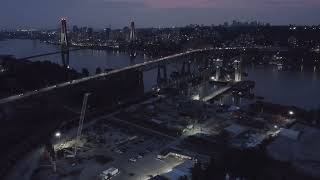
[(154, 13)]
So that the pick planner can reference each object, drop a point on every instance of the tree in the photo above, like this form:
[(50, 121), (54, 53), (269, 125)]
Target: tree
[(183, 177), (197, 171), (98, 70), (85, 72)]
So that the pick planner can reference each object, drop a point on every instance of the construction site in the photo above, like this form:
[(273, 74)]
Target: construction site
[(163, 135), (154, 137)]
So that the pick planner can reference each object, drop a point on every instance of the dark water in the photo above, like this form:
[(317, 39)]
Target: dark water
[(89, 59), (299, 87)]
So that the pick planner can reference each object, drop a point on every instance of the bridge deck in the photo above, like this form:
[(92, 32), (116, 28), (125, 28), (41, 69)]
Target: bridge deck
[(48, 54), (136, 66)]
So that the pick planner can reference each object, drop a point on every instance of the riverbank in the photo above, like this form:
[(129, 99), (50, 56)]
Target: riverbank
[(304, 116), (19, 76)]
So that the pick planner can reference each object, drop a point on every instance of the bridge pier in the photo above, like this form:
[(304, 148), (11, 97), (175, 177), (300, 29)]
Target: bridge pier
[(189, 67), (162, 79), (237, 70), (236, 100), (183, 69), (132, 60), (65, 57), (204, 89), (218, 63)]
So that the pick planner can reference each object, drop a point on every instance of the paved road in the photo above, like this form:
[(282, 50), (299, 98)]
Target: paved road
[(148, 130), (217, 93)]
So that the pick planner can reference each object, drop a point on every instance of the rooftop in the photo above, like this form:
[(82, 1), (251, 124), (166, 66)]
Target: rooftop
[(302, 152)]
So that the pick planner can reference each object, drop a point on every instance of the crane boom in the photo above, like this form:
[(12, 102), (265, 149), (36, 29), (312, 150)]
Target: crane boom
[(82, 115)]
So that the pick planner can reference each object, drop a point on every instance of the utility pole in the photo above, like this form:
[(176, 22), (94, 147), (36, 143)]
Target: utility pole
[(82, 115)]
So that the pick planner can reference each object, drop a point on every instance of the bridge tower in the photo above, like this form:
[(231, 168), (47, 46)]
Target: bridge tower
[(64, 43), (237, 70), (63, 33), (132, 39), (132, 32)]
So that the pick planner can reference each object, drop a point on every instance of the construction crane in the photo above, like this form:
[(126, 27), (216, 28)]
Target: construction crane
[(82, 115)]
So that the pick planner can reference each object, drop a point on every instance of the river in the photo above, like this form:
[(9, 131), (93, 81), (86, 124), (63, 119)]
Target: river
[(287, 87)]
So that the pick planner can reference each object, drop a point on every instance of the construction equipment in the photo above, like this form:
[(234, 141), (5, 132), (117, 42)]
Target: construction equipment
[(82, 115)]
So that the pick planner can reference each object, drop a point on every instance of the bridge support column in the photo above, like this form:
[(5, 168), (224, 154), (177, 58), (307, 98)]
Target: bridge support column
[(161, 79), (189, 67), (237, 70), (218, 65), (132, 59), (183, 69), (205, 85), (217, 78), (236, 100), (159, 75), (65, 57), (165, 73), (203, 91)]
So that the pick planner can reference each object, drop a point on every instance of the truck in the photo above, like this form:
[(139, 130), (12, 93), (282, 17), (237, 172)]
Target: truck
[(109, 173)]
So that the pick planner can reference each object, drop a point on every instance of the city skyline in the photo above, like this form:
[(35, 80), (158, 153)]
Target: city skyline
[(160, 89), (155, 13)]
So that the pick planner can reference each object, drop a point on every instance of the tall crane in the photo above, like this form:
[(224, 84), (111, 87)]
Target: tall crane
[(82, 115)]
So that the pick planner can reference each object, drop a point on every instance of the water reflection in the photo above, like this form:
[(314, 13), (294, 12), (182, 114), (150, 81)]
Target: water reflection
[(65, 56), (284, 86)]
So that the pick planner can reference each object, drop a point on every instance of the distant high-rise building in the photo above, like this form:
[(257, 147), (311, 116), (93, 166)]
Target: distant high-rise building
[(75, 29), (107, 32), (132, 32), (83, 29), (90, 32)]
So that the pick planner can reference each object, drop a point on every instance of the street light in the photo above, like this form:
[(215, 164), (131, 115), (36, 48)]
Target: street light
[(291, 113), (57, 134)]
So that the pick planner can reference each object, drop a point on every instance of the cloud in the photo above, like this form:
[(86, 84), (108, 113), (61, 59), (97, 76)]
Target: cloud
[(229, 3), (116, 4), (291, 3), (180, 3), (100, 13)]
